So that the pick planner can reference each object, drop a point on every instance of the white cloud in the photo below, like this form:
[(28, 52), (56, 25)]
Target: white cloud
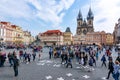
[(51, 10), (15, 9), (106, 14)]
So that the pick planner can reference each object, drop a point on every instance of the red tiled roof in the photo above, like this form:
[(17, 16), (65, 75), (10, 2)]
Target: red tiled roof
[(4, 22), (52, 31), (14, 26)]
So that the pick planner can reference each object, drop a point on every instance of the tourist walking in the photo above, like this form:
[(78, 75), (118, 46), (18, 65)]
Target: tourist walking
[(50, 52), (69, 62), (110, 68), (10, 58), (34, 55), (15, 65), (103, 59)]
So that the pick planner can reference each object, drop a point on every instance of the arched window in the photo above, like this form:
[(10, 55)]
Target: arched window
[(90, 22), (79, 23), (84, 31)]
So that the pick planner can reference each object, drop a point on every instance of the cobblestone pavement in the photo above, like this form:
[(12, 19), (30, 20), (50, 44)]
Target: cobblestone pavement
[(47, 69)]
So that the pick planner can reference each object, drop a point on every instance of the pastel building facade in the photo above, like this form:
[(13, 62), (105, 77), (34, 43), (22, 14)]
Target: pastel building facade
[(67, 36), (52, 37), (10, 34), (96, 37)]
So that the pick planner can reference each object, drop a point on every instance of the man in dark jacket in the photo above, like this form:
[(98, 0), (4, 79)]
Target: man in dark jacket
[(110, 67), (103, 59), (15, 65)]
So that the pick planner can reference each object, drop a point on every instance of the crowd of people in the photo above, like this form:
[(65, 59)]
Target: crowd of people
[(83, 54), (88, 55), (17, 56)]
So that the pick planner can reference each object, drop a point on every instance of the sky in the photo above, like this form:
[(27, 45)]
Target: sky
[(39, 16)]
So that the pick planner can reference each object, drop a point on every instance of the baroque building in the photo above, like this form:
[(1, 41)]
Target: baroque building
[(12, 34), (67, 36), (51, 37), (84, 27)]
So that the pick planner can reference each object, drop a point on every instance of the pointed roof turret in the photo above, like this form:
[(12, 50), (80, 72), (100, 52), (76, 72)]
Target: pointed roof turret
[(84, 23), (68, 30), (90, 14), (79, 16)]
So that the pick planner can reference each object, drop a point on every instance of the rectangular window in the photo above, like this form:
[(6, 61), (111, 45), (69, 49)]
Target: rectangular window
[(4, 32), (1, 32)]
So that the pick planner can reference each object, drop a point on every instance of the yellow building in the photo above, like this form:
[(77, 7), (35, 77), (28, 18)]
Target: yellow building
[(67, 36), (109, 38), (17, 34)]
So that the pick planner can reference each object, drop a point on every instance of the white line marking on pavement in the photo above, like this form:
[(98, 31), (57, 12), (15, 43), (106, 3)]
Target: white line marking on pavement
[(56, 65), (49, 61), (69, 74), (93, 69), (41, 64), (60, 78), (104, 78), (86, 76), (43, 61), (78, 67), (48, 77), (73, 79)]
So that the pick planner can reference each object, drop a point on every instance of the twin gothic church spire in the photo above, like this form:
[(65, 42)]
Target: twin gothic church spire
[(79, 16), (89, 15), (83, 26)]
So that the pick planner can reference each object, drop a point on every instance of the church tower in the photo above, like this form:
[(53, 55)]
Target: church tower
[(90, 18), (84, 27), (79, 21)]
